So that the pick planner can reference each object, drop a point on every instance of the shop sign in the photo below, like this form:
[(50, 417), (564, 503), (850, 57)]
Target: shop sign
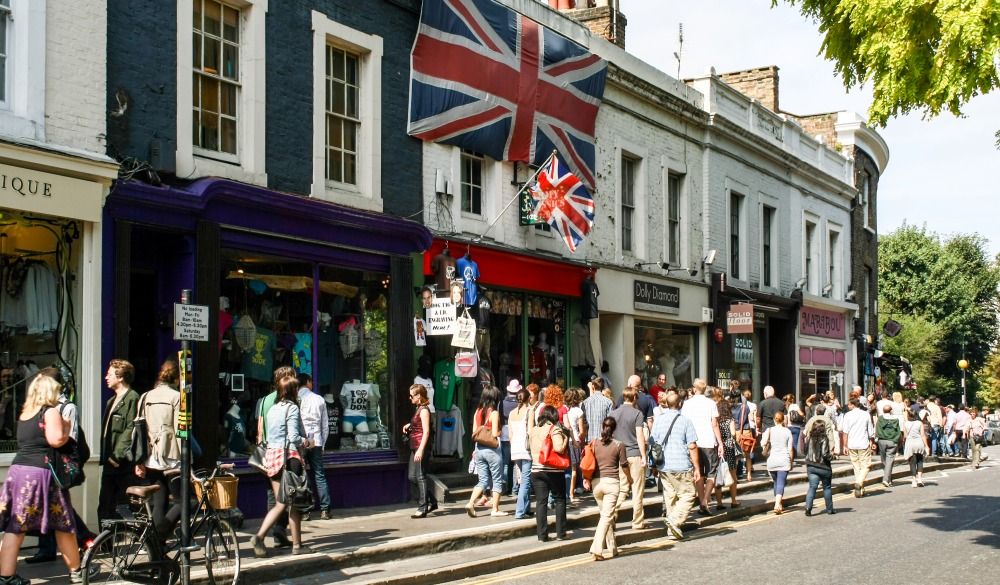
[(38, 192), (740, 320), (650, 296), (743, 349), (441, 317), (758, 317), (724, 378), (822, 323)]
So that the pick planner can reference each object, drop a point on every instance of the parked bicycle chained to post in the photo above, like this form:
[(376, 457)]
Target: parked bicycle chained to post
[(129, 550)]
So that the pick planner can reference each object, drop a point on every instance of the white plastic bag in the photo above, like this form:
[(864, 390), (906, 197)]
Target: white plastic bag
[(722, 477)]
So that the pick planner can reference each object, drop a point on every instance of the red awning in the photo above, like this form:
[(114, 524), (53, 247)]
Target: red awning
[(516, 271)]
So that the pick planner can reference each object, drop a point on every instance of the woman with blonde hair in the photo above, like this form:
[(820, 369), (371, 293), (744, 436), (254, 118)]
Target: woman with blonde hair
[(31, 499), (285, 436)]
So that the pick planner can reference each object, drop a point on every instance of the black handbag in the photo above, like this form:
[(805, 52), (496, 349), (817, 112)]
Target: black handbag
[(138, 450), (294, 490), (256, 459)]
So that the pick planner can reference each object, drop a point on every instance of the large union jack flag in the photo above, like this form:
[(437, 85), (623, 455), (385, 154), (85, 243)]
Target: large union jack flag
[(562, 201), (488, 79)]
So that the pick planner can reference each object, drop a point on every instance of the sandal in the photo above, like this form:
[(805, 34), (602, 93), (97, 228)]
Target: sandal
[(735, 504)]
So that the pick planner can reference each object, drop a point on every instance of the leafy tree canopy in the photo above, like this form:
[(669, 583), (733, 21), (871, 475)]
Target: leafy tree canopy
[(951, 283), (928, 55)]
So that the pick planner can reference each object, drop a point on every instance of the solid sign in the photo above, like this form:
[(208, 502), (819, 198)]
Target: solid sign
[(822, 323), (743, 349), (190, 322), (441, 317), (740, 319), (650, 296)]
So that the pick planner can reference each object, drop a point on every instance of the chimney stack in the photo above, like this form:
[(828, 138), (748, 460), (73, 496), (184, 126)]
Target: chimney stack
[(760, 84), (600, 16)]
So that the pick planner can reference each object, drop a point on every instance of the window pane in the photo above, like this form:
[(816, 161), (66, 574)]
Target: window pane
[(212, 50), (336, 170), (351, 66), (231, 61), (338, 98), (477, 201), (231, 25), (350, 136), (337, 57), (352, 102), (229, 99), (213, 18), (196, 51), (350, 168), (196, 127), (229, 135), (210, 131), (196, 91), (335, 134), (197, 15), (209, 94)]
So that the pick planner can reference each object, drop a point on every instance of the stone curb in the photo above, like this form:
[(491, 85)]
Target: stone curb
[(285, 567)]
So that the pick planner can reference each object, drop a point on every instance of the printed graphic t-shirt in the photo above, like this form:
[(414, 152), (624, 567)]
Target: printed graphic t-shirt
[(444, 384), (468, 271), (258, 363)]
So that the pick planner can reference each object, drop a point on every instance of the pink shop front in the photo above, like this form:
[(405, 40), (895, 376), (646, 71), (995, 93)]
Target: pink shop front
[(824, 350)]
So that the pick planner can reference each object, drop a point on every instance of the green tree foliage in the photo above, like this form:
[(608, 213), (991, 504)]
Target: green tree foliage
[(929, 55), (951, 283), (989, 378)]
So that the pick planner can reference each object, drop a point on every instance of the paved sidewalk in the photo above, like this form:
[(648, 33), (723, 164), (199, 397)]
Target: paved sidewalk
[(365, 536)]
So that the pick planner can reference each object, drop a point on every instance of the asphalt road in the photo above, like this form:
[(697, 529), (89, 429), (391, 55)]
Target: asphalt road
[(946, 532)]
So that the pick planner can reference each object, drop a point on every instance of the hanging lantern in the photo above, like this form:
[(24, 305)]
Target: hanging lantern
[(246, 333)]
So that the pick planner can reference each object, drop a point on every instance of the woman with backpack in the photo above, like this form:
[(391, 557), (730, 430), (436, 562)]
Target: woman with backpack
[(819, 452), (887, 432), (489, 460), (796, 421)]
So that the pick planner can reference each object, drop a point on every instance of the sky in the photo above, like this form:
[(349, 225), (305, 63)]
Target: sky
[(941, 172)]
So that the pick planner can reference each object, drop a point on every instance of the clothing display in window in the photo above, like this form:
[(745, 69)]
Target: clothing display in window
[(581, 351), (429, 384), (589, 294), (468, 271), (236, 428), (334, 412), (444, 268), (302, 353), (450, 430), (326, 355), (30, 298), (358, 400), (258, 363), (482, 311), (444, 384)]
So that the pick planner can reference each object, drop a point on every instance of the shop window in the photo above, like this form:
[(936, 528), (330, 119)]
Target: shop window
[(663, 348), (343, 119), (674, 220), (628, 204), (340, 341), (813, 381), (39, 325), (810, 254), (216, 52), (526, 327), (472, 183), (833, 263)]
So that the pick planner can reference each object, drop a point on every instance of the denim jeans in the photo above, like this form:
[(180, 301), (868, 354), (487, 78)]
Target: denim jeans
[(489, 467), (418, 476), (524, 489), (314, 457), (937, 446), (508, 469), (817, 474)]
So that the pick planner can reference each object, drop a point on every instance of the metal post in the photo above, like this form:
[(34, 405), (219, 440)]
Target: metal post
[(183, 429)]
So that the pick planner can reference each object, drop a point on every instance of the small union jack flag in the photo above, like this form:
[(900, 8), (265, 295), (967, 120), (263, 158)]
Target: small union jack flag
[(562, 201), (488, 79)]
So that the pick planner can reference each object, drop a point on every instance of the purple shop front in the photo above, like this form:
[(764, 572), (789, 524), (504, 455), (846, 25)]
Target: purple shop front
[(315, 268)]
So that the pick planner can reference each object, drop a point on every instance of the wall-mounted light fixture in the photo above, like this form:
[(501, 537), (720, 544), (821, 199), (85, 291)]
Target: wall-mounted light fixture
[(851, 295), (801, 283), (827, 290)]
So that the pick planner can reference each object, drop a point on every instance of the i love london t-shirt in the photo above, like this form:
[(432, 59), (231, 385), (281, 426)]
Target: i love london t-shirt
[(258, 363)]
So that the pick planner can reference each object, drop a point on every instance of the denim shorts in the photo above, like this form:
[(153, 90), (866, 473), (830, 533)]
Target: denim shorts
[(489, 467)]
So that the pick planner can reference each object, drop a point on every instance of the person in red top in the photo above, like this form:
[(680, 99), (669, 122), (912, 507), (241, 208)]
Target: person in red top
[(658, 387), (419, 431)]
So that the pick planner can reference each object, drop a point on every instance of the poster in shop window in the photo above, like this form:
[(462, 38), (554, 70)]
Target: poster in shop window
[(441, 317)]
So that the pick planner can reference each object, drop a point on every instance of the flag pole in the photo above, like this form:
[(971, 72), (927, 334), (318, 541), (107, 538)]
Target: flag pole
[(517, 196)]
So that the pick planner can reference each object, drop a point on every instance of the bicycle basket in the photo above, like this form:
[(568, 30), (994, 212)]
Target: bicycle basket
[(221, 492)]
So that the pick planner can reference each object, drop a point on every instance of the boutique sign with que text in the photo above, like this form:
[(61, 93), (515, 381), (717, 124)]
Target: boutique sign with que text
[(650, 296), (822, 323), (40, 192)]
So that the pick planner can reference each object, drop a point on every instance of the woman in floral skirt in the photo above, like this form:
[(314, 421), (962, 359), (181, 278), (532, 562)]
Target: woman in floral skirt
[(30, 498)]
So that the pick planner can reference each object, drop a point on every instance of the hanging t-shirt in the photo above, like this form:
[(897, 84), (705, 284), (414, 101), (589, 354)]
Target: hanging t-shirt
[(429, 384), (302, 353), (225, 322), (450, 430), (237, 441), (482, 312), (468, 271), (589, 292), (444, 384), (443, 267), (258, 363), (326, 356), (333, 412), (359, 399)]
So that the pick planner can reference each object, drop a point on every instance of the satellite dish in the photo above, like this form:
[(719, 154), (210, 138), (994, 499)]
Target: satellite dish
[(892, 328)]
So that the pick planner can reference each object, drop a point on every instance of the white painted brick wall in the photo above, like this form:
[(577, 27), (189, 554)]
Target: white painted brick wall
[(75, 76)]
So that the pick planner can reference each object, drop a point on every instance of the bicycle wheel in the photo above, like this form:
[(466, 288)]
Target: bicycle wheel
[(120, 554), (222, 553)]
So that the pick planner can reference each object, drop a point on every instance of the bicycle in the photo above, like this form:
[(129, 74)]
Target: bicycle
[(129, 550)]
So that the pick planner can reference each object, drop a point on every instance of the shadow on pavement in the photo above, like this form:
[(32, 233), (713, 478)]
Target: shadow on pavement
[(966, 513)]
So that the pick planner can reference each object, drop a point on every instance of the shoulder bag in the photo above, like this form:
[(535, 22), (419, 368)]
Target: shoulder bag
[(64, 462), (765, 447), (484, 435), (138, 450), (294, 490), (549, 457), (588, 461), (656, 458), (259, 452)]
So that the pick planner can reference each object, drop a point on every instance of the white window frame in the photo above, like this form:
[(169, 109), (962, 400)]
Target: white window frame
[(248, 166), (674, 256), (471, 223), (742, 269), (639, 156), (482, 186), (766, 207), (835, 260), (811, 253), (22, 115), (367, 192)]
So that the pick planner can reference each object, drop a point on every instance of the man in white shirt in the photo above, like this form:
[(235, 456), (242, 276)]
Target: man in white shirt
[(704, 416), (312, 409), (860, 439)]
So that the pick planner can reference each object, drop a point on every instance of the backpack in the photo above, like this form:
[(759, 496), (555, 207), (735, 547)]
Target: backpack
[(796, 417)]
